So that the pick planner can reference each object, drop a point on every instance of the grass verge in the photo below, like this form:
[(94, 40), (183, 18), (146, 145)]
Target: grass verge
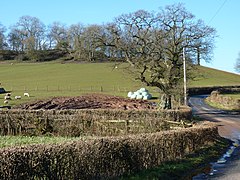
[(10, 141), (192, 165), (234, 95), (224, 107)]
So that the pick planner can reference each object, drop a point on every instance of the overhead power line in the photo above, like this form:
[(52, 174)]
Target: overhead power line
[(219, 9)]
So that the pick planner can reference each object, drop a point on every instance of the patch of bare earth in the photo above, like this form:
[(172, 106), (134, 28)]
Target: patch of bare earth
[(91, 101)]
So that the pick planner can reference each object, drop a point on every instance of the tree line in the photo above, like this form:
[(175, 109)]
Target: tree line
[(93, 42), (32, 37), (151, 42)]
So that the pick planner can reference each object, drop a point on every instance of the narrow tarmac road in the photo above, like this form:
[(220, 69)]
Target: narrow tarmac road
[(228, 127)]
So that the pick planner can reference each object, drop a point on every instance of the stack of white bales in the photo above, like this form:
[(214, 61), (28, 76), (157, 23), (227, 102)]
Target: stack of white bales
[(140, 94)]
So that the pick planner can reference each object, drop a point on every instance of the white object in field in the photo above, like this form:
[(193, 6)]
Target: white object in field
[(7, 97), (130, 94), (26, 94), (145, 93), (147, 97), (139, 96), (142, 90), (141, 93), (133, 96), (18, 97)]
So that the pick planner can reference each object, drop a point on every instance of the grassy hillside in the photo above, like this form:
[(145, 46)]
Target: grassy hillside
[(57, 76), (72, 79), (213, 77)]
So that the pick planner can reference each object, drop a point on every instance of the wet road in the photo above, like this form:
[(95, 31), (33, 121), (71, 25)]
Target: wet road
[(229, 127)]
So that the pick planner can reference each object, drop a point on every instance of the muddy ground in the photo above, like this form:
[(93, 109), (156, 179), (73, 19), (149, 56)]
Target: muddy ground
[(91, 101)]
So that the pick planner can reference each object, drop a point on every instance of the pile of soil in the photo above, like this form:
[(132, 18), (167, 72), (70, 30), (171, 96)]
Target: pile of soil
[(93, 101)]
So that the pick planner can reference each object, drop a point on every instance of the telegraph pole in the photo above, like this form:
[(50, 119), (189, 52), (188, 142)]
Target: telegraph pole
[(184, 78)]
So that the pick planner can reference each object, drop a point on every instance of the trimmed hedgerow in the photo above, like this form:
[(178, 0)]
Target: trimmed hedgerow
[(87, 122), (102, 158)]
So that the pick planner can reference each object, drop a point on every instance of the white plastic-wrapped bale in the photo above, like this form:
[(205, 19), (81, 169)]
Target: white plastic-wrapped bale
[(147, 97), (130, 94), (142, 90), (142, 93), (145, 93), (133, 96), (139, 96)]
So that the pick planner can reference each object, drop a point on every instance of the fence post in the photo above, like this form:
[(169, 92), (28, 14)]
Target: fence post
[(127, 126)]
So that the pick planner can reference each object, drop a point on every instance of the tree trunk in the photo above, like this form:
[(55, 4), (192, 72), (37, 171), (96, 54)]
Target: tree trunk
[(198, 55), (168, 102)]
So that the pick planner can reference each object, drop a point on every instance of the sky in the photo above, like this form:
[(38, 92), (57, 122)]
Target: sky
[(223, 15)]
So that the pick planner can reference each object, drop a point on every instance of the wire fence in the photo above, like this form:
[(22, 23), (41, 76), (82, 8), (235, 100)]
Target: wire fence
[(72, 88)]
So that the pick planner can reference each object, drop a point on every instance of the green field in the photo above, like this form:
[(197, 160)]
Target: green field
[(50, 79), (62, 77), (212, 77), (43, 80), (10, 141)]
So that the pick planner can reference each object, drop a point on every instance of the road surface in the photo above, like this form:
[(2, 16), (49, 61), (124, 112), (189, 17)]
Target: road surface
[(228, 127)]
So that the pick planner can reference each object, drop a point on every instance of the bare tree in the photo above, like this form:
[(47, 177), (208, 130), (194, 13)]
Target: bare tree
[(92, 44), (16, 39), (33, 30), (3, 43), (237, 65), (58, 33), (153, 44), (76, 41), (202, 44)]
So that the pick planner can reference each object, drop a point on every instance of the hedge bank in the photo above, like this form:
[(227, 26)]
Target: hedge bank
[(88, 122), (224, 101), (208, 90), (102, 158)]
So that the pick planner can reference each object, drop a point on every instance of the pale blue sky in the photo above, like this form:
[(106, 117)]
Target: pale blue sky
[(223, 15)]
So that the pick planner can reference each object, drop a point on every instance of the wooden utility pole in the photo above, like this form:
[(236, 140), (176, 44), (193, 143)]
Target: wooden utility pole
[(184, 78)]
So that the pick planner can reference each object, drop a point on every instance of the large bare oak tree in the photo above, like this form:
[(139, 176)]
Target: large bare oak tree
[(152, 43)]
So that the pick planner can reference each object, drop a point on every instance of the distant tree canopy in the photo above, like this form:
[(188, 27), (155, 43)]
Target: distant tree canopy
[(30, 35), (3, 43), (237, 65)]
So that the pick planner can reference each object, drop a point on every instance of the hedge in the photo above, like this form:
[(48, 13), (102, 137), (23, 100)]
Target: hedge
[(207, 90), (87, 122), (102, 158), (224, 101)]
